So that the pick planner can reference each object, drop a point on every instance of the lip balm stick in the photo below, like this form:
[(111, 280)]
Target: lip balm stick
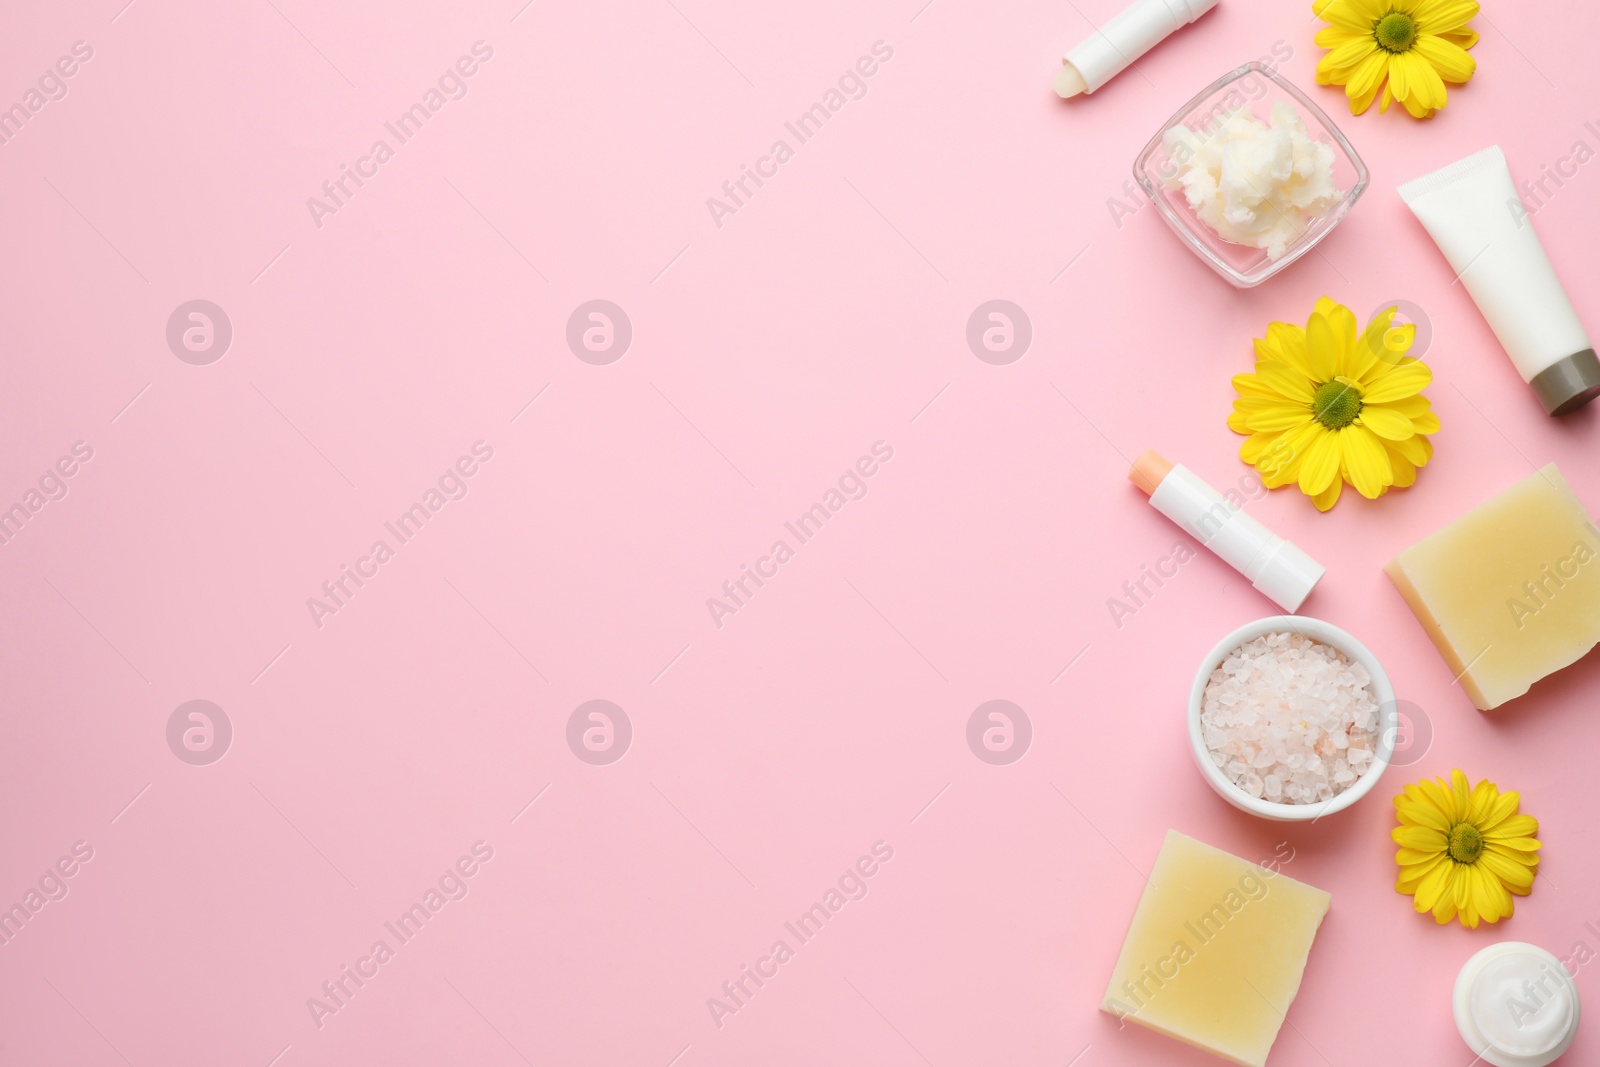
[(1282, 572), (1140, 27)]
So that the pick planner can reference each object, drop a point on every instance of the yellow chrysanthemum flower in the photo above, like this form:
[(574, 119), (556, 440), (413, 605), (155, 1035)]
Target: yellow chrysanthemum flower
[(1464, 854), (1409, 48), (1326, 406)]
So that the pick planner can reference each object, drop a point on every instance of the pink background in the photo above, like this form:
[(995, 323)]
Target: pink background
[(767, 355)]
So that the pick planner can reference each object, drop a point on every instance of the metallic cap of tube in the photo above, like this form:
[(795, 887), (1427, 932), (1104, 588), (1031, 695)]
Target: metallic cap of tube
[(1569, 384), (1288, 576)]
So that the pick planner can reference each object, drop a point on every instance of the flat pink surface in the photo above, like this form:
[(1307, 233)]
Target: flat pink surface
[(429, 311)]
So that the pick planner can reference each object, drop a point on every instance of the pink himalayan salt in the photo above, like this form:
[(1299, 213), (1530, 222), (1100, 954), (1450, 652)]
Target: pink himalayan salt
[(1289, 719)]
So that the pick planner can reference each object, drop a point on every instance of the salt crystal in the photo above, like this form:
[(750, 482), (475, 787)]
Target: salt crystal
[(1290, 719)]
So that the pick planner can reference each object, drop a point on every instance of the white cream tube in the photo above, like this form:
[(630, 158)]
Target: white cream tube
[(1134, 31), (1472, 212)]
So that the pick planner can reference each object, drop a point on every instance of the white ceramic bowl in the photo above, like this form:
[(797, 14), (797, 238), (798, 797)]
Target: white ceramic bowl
[(1328, 634)]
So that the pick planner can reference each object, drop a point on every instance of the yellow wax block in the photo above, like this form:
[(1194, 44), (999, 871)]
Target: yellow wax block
[(1215, 951), (1509, 592)]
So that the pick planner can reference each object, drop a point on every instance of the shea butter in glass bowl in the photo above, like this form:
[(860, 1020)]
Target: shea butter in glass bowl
[(1380, 742), (1255, 88)]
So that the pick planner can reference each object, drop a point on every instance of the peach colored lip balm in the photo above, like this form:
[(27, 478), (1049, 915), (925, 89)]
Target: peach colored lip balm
[(1278, 569)]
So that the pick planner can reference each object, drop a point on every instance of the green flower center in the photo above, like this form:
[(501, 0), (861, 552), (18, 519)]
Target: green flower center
[(1395, 32), (1466, 843), (1336, 403)]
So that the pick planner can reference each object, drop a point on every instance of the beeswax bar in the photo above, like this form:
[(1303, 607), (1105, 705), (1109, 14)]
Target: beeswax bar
[(1215, 952), (1509, 592)]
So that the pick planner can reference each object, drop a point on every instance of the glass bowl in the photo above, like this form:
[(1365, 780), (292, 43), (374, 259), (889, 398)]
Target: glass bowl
[(1255, 87)]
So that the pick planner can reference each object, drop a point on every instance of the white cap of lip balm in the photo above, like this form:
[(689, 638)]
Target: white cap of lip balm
[(1516, 1005), (1111, 49)]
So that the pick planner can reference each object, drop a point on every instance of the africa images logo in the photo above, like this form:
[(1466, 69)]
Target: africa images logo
[(451, 85), (852, 485), (852, 85)]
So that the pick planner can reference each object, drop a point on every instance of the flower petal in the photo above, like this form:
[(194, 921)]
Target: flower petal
[(1365, 76), (1346, 329), (1284, 415), (1421, 812), (1349, 52), (1356, 15), (1399, 76), (1513, 826), (1407, 379), (1367, 461), (1423, 422), (1412, 861), (1436, 792), (1416, 449), (1506, 870), (1410, 878), (1285, 381), (1405, 472), (1483, 798), (1397, 348), (1365, 81), (1321, 465), (1517, 847), (1469, 893), (1250, 385), (1257, 446), (1436, 892), (1272, 455), (1463, 886), (1334, 36), (1500, 899), (1446, 57), (1289, 451), (1255, 402), (1329, 496), (1385, 422), (1434, 884), (1289, 341), (1369, 348), (1460, 795), (1504, 806), (1411, 407), (1432, 793), (1421, 838), (1322, 347), (1442, 16), (1427, 88), (1417, 108)]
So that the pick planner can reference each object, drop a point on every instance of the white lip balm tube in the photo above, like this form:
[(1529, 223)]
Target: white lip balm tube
[(1278, 569), (1472, 212), (1109, 50)]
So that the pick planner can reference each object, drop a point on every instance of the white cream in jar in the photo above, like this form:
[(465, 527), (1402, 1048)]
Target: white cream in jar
[(1255, 183)]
